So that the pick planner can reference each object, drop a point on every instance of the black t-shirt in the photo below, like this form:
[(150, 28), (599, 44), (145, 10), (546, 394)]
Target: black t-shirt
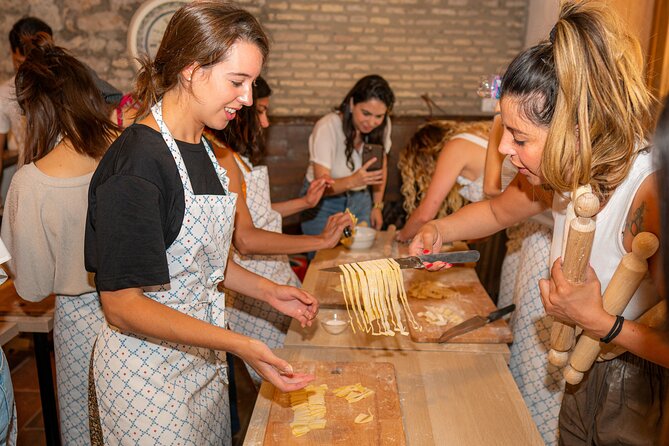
[(136, 207)]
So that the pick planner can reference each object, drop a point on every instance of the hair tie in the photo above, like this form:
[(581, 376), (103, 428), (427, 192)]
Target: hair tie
[(551, 36)]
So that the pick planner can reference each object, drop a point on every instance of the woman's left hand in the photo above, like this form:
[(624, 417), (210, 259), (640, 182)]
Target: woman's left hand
[(316, 190), (580, 304), (295, 303), (376, 219)]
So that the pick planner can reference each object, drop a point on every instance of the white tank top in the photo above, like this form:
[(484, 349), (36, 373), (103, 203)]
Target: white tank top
[(471, 190), (608, 249)]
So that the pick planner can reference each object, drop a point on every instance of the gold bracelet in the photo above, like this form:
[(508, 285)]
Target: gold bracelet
[(378, 205)]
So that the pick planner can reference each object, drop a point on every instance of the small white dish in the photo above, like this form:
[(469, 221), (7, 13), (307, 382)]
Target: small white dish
[(334, 323), (363, 238)]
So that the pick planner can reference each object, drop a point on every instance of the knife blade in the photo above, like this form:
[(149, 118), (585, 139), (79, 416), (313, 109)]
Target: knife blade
[(475, 323), (417, 261)]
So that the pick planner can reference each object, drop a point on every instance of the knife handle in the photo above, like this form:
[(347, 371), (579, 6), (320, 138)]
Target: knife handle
[(492, 317)]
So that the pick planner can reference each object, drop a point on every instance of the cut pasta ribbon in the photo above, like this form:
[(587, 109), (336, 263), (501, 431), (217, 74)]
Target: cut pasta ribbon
[(373, 291), (308, 406), (353, 393), (364, 418), (440, 316)]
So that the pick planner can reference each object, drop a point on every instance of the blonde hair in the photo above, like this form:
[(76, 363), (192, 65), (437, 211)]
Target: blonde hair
[(586, 85), (419, 158)]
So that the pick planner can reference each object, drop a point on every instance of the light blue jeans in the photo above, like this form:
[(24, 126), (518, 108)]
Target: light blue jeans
[(7, 405)]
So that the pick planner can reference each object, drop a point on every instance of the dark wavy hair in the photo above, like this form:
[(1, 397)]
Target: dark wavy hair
[(244, 134), (369, 87), (59, 99)]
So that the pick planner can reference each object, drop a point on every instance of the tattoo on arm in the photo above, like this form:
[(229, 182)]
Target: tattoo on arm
[(635, 222)]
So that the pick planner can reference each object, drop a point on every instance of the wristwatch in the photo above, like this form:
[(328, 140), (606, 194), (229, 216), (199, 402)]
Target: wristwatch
[(378, 205)]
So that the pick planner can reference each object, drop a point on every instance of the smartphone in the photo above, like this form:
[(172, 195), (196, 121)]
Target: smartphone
[(370, 151)]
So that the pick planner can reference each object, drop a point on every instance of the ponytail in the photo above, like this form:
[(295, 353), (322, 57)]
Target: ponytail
[(585, 85), (60, 100)]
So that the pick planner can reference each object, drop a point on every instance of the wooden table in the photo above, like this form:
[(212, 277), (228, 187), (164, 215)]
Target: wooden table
[(35, 318), (446, 398), (316, 337), (450, 394), (8, 331), (318, 283)]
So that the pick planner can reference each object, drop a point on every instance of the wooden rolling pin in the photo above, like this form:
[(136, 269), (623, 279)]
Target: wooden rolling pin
[(655, 317), (624, 283), (575, 262)]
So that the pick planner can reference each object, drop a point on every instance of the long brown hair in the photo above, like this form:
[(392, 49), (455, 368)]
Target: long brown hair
[(199, 32), (586, 86), (60, 100)]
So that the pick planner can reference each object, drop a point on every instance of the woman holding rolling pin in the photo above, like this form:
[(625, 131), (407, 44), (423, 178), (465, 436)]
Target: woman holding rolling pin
[(576, 112)]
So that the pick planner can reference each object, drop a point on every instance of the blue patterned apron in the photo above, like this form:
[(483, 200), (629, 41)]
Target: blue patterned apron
[(77, 321), (246, 315), (160, 393)]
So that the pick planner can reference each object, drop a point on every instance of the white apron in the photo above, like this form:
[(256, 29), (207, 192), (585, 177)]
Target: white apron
[(159, 393), (246, 315), (77, 321)]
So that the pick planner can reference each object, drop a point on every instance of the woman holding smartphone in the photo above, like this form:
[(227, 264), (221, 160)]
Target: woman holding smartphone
[(336, 150)]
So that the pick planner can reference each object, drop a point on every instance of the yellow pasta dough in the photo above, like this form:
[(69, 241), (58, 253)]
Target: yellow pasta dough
[(431, 289), (308, 406), (374, 291)]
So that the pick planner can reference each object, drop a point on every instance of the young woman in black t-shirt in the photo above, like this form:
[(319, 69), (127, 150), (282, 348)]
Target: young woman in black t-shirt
[(158, 235)]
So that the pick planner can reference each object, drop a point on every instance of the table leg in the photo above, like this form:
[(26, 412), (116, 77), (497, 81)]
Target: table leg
[(46, 388)]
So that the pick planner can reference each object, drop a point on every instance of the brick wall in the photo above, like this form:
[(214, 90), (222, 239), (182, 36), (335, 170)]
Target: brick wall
[(321, 47)]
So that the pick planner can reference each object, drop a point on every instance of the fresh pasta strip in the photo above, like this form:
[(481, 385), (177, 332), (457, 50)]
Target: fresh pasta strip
[(353, 392), (440, 316), (364, 417), (374, 293), (308, 406)]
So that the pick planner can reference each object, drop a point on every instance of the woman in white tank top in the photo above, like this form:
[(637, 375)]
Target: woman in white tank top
[(442, 170)]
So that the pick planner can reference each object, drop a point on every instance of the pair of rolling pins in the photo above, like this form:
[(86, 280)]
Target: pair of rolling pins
[(624, 283)]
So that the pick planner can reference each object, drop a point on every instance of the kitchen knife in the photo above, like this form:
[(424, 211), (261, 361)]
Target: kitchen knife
[(417, 261), (474, 323)]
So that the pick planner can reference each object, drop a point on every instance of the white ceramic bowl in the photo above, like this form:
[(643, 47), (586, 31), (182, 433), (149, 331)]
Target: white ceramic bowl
[(334, 323), (363, 238)]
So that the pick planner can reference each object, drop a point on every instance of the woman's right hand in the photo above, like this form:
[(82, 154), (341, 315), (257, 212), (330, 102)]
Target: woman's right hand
[(362, 177), (272, 368), (334, 228), (427, 241)]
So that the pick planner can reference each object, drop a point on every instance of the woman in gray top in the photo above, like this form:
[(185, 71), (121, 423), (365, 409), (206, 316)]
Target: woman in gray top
[(45, 213)]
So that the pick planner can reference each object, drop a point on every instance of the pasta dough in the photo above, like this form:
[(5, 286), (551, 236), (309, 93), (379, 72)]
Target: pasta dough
[(440, 316), (432, 289), (373, 291), (347, 241), (308, 406)]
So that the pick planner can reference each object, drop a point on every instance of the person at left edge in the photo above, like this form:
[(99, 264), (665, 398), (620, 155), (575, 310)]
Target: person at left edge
[(159, 226), (45, 212)]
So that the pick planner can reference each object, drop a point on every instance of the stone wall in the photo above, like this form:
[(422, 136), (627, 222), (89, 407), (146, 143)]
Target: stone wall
[(321, 47)]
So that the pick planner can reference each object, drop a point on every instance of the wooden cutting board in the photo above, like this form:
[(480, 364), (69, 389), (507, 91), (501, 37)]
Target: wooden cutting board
[(470, 299), (385, 429)]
